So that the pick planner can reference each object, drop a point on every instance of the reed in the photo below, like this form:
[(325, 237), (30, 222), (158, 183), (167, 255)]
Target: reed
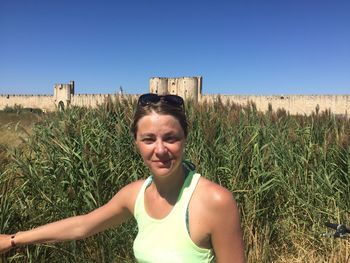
[(289, 174)]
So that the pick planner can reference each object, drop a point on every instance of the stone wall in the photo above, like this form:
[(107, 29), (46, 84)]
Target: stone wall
[(188, 88), (93, 100), (294, 104), (44, 102)]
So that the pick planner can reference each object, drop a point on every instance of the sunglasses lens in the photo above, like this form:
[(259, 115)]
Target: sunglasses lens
[(149, 98), (174, 100)]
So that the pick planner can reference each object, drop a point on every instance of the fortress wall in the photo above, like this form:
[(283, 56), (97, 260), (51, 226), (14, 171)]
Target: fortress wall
[(89, 100), (188, 88), (93, 100), (45, 102), (294, 104)]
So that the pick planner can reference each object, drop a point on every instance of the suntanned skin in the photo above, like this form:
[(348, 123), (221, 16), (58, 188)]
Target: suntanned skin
[(213, 214)]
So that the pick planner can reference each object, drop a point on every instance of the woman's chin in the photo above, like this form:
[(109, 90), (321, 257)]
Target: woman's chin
[(161, 172), (163, 169)]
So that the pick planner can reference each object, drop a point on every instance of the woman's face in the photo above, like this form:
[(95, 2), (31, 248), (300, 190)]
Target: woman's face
[(160, 140)]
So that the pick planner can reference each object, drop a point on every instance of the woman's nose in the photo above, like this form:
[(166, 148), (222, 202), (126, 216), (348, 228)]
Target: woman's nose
[(160, 148)]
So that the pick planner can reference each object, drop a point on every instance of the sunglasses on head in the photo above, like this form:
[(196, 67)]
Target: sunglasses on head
[(150, 98)]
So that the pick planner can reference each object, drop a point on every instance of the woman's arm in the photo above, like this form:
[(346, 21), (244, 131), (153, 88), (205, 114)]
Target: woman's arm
[(116, 211), (226, 234)]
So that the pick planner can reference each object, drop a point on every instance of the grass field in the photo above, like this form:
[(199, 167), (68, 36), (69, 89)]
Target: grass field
[(15, 129), (289, 175)]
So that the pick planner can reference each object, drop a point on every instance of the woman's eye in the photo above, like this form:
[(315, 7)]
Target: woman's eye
[(171, 139), (147, 140)]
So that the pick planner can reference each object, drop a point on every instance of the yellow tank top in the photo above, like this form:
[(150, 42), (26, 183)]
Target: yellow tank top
[(167, 240)]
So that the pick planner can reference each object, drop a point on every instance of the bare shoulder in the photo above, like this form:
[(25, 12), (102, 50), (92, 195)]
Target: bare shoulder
[(127, 195), (215, 196), (133, 187), (217, 204), (222, 221)]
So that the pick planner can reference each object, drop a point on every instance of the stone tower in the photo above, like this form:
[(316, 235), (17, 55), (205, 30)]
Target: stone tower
[(186, 87), (62, 94)]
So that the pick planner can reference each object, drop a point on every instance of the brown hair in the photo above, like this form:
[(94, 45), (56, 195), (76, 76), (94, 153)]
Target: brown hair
[(163, 108)]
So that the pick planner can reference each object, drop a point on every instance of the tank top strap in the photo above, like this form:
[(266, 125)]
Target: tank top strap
[(139, 206), (187, 190)]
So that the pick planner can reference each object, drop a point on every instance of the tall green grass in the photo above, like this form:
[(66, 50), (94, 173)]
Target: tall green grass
[(289, 174)]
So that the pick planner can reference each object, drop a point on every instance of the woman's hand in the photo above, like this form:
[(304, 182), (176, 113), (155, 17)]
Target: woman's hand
[(5, 243)]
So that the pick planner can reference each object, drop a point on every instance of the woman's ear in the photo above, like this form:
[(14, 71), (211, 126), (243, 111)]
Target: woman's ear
[(185, 143), (134, 142), (136, 145)]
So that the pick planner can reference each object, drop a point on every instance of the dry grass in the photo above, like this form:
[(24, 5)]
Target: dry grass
[(14, 128)]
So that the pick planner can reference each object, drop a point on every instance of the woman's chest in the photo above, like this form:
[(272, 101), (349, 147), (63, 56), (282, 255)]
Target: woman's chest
[(190, 217)]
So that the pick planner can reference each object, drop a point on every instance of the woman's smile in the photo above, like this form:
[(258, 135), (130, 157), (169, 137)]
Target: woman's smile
[(163, 163)]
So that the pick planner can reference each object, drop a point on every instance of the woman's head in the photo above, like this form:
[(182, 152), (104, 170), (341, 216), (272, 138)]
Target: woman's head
[(149, 103)]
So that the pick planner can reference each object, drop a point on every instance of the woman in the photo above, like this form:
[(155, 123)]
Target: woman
[(181, 216)]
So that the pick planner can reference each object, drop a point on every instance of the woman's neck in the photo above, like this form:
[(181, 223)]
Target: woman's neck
[(169, 187)]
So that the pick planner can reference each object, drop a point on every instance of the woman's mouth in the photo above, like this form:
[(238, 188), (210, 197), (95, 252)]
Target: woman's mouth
[(162, 162)]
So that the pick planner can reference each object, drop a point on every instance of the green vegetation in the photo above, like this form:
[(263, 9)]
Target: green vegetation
[(289, 174), (15, 128), (19, 109)]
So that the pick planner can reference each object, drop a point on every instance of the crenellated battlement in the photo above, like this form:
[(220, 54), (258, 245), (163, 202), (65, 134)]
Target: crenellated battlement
[(188, 88), (24, 95)]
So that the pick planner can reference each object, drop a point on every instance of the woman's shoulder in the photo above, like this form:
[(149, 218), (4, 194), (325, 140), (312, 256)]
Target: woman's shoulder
[(215, 196), (133, 188), (127, 194)]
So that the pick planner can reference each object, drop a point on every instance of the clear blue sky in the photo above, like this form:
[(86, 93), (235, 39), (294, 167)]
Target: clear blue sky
[(239, 47)]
